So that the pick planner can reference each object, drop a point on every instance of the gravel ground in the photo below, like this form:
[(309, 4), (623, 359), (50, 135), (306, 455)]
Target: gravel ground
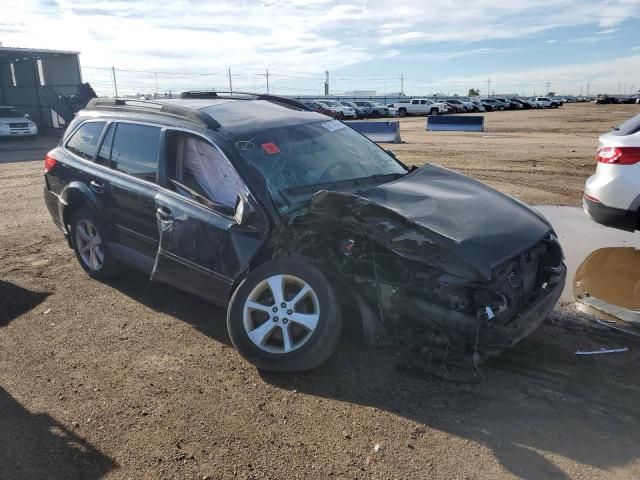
[(129, 379)]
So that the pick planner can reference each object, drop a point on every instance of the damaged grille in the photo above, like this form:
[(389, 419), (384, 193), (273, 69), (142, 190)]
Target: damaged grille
[(523, 278)]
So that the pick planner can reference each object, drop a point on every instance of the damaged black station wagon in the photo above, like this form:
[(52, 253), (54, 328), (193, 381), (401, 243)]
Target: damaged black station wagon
[(290, 219)]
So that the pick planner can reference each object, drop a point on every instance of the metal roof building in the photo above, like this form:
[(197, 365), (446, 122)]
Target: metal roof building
[(46, 84)]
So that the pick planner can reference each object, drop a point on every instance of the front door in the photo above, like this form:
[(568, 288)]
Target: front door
[(202, 249)]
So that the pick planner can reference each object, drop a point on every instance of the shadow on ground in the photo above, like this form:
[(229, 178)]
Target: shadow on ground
[(15, 300), (206, 317), (536, 403), (36, 446)]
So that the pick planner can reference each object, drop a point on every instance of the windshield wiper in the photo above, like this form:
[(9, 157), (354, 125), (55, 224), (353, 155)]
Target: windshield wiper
[(314, 187)]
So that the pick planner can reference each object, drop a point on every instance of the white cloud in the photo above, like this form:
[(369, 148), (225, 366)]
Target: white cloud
[(301, 37), (607, 31), (551, 41), (636, 49)]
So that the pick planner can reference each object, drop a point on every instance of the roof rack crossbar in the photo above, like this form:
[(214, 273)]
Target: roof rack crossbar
[(194, 116), (284, 101)]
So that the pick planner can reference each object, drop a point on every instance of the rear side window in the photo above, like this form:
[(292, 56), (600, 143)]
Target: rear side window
[(629, 127), (135, 150), (84, 142)]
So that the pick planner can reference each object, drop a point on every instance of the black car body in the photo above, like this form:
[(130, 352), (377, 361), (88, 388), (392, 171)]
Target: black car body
[(372, 110), (422, 255), (525, 104)]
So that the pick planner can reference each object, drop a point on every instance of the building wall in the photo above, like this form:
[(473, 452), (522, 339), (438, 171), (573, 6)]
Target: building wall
[(61, 75), (61, 70)]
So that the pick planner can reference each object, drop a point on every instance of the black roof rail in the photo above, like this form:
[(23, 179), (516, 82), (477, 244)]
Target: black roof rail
[(284, 101), (133, 105)]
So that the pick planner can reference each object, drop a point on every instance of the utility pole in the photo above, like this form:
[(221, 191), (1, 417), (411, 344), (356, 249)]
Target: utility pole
[(230, 84), (488, 87), (115, 85), (580, 90), (625, 88), (156, 74), (267, 75), (326, 83), (548, 85), (402, 84), (588, 85)]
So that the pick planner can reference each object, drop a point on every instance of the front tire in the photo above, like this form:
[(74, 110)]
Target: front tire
[(89, 241), (434, 111), (402, 112), (284, 317)]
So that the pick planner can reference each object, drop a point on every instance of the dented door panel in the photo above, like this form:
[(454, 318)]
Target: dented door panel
[(200, 250)]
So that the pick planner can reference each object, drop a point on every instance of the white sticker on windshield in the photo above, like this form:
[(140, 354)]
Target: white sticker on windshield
[(333, 125)]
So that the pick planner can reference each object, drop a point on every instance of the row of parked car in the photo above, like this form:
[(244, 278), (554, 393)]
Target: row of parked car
[(425, 106), (349, 110)]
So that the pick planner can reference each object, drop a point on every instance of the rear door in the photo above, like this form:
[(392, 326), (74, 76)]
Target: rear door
[(133, 155)]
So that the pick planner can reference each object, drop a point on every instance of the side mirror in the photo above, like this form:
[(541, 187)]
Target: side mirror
[(243, 211)]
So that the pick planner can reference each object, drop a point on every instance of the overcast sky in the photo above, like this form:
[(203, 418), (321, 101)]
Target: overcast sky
[(439, 46)]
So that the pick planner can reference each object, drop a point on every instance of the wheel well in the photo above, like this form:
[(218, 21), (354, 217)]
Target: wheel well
[(74, 202)]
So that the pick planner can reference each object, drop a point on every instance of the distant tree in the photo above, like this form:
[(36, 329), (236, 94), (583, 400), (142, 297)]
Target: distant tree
[(552, 94), (474, 92)]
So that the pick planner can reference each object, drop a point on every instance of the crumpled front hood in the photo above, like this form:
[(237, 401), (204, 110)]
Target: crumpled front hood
[(437, 213)]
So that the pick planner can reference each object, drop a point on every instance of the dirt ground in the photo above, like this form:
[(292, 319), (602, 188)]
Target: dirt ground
[(129, 379)]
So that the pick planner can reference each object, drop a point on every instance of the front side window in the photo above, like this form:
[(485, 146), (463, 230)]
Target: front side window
[(314, 154), (198, 170), (84, 141), (135, 150)]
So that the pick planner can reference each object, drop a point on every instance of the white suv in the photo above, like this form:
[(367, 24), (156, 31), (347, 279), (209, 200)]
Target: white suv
[(612, 194), (14, 123), (546, 102)]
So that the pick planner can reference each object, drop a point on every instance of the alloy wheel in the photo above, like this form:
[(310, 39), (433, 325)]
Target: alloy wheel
[(89, 244), (281, 313)]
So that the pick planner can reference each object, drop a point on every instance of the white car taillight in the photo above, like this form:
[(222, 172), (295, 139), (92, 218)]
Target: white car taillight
[(619, 155)]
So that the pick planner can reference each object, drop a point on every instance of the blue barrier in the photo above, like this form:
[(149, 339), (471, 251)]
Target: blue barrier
[(383, 132), (456, 123)]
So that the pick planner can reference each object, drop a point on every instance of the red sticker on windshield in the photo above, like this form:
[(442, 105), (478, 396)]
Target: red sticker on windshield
[(270, 148)]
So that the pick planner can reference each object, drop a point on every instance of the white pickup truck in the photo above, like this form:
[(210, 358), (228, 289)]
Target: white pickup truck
[(546, 102), (420, 106)]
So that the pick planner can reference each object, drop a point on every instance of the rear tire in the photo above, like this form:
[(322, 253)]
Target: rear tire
[(402, 112), (302, 335), (90, 244), (434, 111)]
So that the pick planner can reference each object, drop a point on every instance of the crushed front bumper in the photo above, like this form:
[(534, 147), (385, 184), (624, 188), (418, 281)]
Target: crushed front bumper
[(465, 334)]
